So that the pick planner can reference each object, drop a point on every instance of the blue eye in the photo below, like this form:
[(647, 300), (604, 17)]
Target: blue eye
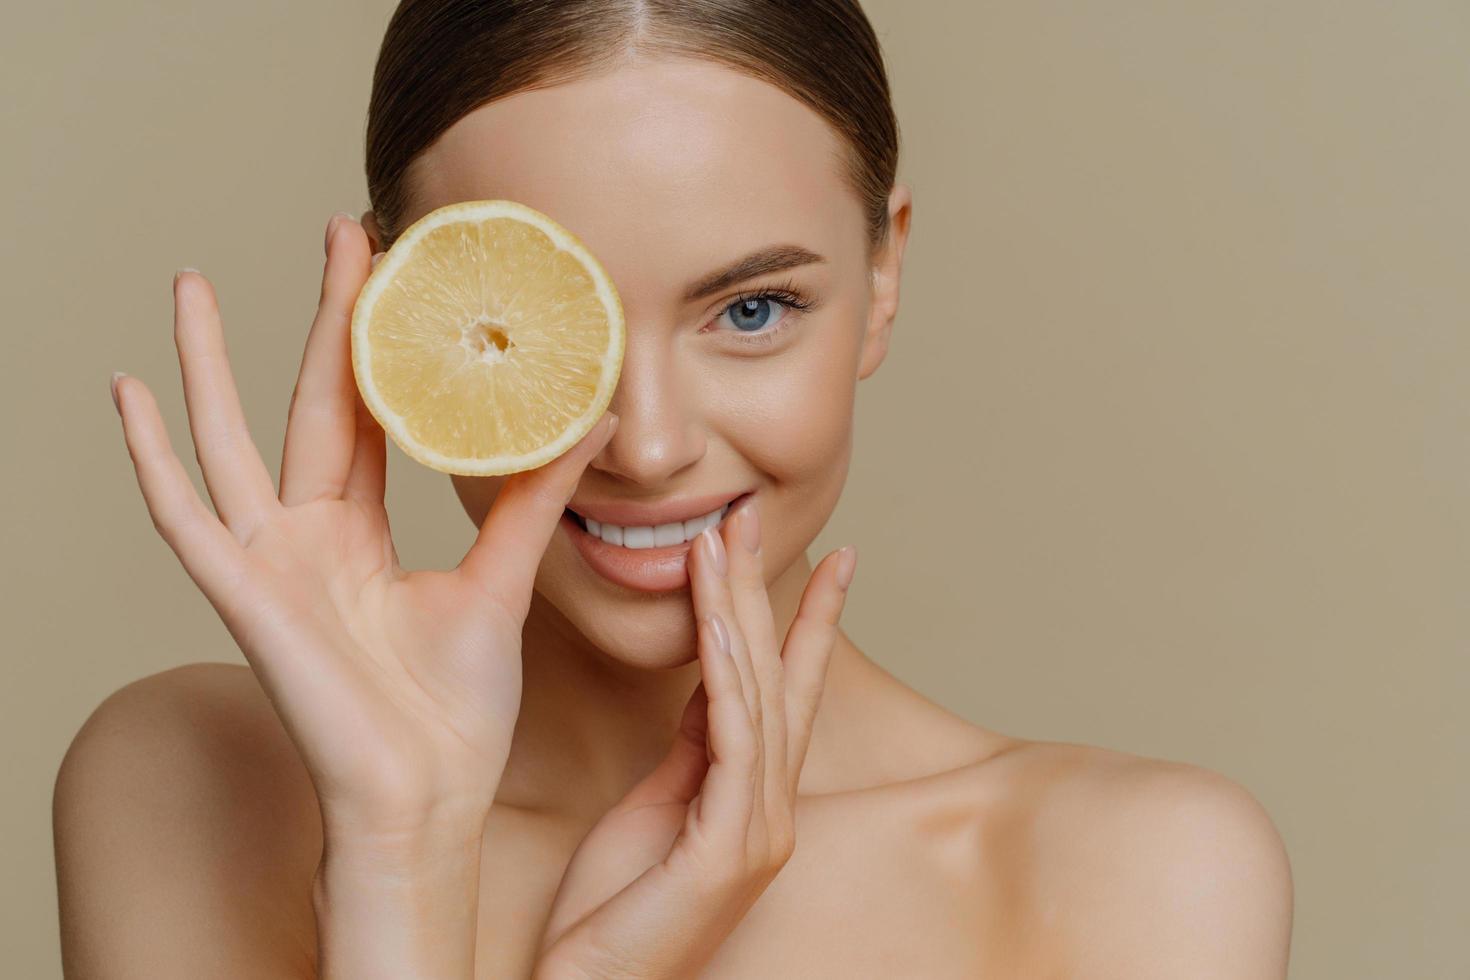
[(753, 315)]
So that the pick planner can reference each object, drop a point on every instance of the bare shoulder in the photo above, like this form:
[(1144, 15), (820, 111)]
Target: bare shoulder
[(178, 814), (1139, 867)]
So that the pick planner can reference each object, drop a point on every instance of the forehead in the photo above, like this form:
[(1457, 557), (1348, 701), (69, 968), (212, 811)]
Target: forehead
[(675, 161)]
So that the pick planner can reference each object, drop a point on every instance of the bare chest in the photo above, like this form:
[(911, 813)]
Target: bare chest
[(870, 892)]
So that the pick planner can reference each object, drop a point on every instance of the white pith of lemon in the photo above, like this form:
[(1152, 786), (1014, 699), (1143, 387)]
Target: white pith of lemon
[(488, 339)]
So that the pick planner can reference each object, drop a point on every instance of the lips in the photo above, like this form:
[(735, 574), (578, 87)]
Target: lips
[(661, 569)]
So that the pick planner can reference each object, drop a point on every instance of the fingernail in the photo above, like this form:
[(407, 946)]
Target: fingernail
[(716, 627), (846, 565), (113, 385), (715, 549), (377, 257), (187, 268), (332, 224), (750, 527)]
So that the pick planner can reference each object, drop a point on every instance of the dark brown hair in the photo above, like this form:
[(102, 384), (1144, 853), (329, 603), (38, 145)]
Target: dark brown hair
[(441, 59)]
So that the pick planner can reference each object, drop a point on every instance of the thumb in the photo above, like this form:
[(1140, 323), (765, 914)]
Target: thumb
[(522, 519)]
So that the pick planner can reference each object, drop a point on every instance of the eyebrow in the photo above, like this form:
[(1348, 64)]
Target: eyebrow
[(773, 258)]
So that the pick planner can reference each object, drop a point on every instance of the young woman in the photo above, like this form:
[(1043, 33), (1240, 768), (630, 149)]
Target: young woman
[(574, 759)]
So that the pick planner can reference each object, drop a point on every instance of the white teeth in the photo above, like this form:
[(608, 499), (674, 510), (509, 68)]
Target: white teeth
[(667, 534), (658, 536)]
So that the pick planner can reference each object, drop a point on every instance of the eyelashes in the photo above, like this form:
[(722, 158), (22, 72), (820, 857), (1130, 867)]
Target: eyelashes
[(793, 301)]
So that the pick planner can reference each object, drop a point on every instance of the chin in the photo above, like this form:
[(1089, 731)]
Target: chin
[(644, 630)]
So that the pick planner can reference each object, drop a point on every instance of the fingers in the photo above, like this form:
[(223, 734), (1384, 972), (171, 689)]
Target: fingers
[(710, 589), (729, 787), (367, 478), (524, 516), (711, 752), (207, 550), (753, 608), (787, 682), (733, 790), (239, 484), (322, 426), (808, 651)]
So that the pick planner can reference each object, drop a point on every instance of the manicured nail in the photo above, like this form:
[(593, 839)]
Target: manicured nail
[(332, 224), (846, 565), (716, 626), (750, 527), (113, 385), (714, 549)]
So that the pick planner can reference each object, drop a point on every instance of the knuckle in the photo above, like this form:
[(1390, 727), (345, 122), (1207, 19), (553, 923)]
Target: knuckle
[(776, 858), (764, 862), (782, 842), (174, 528), (766, 865), (166, 527)]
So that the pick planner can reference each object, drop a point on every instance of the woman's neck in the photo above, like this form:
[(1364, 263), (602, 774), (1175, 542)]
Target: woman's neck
[(590, 726)]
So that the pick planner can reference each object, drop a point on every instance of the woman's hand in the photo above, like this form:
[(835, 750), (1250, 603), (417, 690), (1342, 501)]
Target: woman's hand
[(667, 873), (400, 689)]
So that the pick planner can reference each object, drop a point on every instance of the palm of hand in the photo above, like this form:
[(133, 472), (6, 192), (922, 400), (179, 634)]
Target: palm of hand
[(399, 689), (423, 668)]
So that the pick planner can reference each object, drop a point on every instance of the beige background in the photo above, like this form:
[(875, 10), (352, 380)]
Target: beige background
[(1171, 453)]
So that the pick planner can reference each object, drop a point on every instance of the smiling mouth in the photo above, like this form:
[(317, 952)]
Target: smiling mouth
[(640, 537)]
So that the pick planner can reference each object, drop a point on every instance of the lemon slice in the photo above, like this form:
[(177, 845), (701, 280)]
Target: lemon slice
[(487, 340)]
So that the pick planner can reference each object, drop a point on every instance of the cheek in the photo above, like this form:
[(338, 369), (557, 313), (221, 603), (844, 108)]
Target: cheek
[(790, 414)]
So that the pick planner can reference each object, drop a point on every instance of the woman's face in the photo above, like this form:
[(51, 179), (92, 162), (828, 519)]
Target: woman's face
[(671, 171)]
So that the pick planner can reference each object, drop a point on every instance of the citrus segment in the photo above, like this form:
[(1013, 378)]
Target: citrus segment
[(488, 339)]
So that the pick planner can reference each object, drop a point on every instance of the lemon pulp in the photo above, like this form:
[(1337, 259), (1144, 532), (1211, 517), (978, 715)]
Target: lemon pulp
[(488, 339)]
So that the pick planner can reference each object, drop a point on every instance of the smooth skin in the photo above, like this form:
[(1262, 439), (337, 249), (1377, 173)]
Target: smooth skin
[(517, 768)]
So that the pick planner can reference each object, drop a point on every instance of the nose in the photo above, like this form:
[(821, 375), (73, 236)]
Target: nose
[(659, 434)]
